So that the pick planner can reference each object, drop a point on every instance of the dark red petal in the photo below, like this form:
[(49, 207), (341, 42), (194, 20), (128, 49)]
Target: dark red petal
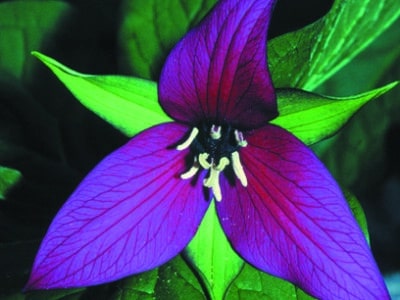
[(293, 222), (218, 71), (132, 213)]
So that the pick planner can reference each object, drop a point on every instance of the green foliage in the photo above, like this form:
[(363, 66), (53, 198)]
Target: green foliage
[(145, 47), (356, 155), (307, 57), (8, 178), (25, 25), (252, 284), (128, 103), (312, 117)]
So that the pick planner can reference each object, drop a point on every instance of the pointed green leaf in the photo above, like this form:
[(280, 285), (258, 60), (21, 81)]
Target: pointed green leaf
[(25, 26), (130, 104), (165, 22), (8, 178), (212, 256), (307, 57), (313, 117)]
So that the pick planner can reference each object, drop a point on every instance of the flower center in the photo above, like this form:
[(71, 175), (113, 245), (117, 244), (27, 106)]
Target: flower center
[(215, 147)]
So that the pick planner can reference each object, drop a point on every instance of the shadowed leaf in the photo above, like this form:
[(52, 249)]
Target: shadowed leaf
[(307, 57)]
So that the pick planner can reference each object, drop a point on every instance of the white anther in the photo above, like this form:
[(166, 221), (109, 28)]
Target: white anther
[(203, 160), (215, 132), (191, 172), (238, 168), (240, 139), (189, 140)]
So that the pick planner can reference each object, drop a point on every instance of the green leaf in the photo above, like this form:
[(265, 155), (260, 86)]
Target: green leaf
[(178, 282), (212, 256), (129, 104), (313, 117), (8, 178), (174, 281), (365, 71), (356, 155), (252, 284), (138, 287), (307, 57), (25, 26), (150, 28)]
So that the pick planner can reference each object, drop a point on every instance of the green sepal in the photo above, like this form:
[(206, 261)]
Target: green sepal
[(312, 117), (130, 104), (212, 256)]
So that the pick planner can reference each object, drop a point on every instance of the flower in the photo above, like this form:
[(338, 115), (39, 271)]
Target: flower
[(278, 205)]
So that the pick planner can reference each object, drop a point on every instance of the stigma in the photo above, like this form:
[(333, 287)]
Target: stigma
[(214, 148)]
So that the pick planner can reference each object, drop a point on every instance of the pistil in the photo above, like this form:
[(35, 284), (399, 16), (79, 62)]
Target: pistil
[(212, 181)]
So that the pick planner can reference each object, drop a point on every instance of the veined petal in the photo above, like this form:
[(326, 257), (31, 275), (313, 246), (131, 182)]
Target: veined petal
[(130, 214), (218, 71), (293, 222)]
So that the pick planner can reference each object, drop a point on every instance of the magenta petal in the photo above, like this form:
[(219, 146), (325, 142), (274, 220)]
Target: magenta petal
[(293, 222), (130, 214), (218, 71)]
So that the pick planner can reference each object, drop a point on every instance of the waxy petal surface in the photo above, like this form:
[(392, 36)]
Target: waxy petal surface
[(218, 71), (293, 222), (132, 213)]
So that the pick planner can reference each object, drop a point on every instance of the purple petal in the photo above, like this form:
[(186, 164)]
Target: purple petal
[(132, 213), (293, 222), (218, 71)]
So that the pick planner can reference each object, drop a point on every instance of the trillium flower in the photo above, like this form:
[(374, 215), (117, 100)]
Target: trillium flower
[(279, 207)]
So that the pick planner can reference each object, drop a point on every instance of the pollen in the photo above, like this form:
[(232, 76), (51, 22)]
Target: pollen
[(214, 149)]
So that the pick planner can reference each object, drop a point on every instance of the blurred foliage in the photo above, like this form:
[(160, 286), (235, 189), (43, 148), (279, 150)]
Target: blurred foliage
[(8, 178)]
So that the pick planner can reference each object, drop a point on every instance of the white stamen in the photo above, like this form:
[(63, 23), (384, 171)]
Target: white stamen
[(238, 168), (215, 132), (223, 162), (191, 172), (203, 160), (240, 139), (213, 179), (189, 140)]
